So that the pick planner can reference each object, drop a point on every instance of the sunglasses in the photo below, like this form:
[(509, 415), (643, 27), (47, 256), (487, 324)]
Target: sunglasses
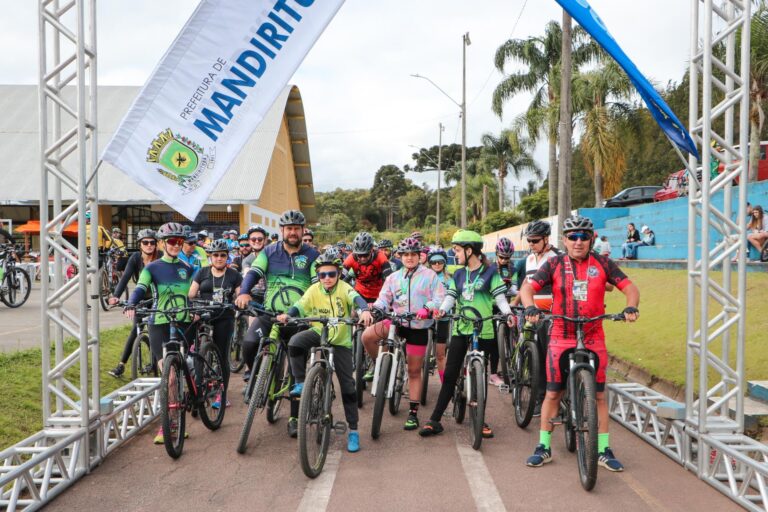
[(174, 242), (325, 275), (148, 242), (307, 240), (257, 239), (584, 237), (437, 263), (244, 245), (219, 255), (505, 258), (534, 241)]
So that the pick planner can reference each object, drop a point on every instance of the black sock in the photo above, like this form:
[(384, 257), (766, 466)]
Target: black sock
[(295, 408), (414, 407)]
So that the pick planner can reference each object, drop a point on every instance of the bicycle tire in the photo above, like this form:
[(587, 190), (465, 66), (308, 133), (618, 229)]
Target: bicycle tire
[(17, 280), (104, 289), (212, 387), (141, 358), (526, 383), (172, 406), (505, 354), (360, 367), (236, 360), (252, 406), (584, 404), (314, 428), (425, 366), (381, 396), (476, 403), (459, 401), (397, 393), (281, 379), (568, 426)]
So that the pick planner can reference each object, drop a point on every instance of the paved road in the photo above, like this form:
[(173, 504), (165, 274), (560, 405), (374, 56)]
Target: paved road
[(400, 471), (21, 326)]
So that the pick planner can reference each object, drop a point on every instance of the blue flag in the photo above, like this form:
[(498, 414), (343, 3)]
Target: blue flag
[(582, 12)]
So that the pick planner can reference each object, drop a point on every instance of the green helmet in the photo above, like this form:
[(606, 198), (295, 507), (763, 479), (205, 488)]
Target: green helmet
[(464, 237)]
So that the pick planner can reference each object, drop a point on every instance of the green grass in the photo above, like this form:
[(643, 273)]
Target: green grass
[(20, 372), (657, 341)]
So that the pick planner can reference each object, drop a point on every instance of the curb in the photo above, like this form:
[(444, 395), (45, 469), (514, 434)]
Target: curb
[(635, 373)]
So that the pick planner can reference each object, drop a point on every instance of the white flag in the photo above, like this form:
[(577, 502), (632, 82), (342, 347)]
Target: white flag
[(210, 91)]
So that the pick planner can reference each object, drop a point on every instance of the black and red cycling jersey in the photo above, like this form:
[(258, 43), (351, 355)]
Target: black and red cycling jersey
[(369, 277), (578, 289)]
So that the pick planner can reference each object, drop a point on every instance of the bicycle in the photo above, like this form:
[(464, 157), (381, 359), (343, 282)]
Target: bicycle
[(361, 361), (519, 363), (389, 376), (472, 384), (186, 386), (143, 364), (236, 361), (315, 408), (109, 277), (429, 365), (578, 405), (270, 381), (15, 285)]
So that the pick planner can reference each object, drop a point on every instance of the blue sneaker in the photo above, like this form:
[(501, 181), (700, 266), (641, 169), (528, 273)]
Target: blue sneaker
[(608, 461), (353, 441), (297, 389), (540, 457)]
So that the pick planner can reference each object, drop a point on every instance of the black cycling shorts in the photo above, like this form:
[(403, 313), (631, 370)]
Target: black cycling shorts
[(414, 336)]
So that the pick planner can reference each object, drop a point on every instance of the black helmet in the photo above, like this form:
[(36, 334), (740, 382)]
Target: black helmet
[(292, 217), (385, 244), (171, 230), (254, 228), (363, 243), (145, 233), (538, 228), (219, 245), (578, 223), (328, 258)]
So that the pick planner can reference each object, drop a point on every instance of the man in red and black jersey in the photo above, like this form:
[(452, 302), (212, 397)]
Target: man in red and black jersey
[(370, 266), (579, 279)]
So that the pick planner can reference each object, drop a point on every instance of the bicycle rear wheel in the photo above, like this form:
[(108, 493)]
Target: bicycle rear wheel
[(425, 367), (459, 400), (506, 364), (568, 426), (397, 393), (584, 406), (142, 364), (280, 381), (172, 405), (360, 366), (19, 285), (104, 289), (526, 383), (258, 391), (381, 396), (314, 421), (211, 387), (236, 361), (476, 403)]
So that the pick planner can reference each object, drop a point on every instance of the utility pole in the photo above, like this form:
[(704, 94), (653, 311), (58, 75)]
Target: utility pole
[(564, 171), (465, 42), (485, 202), (439, 171), (515, 188)]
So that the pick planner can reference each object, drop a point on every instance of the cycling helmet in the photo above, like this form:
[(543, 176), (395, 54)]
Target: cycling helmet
[(505, 247), (171, 230), (274, 236), (341, 245), (309, 232), (88, 215), (466, 238), (220, 245), (242, 238), (120, 231), (578, 223), (437, 254), (145, 233), (385, 244), (203, 234), (292, 218), (409, 245), (363, 243), (538, 228), (255, 227), (329, 257), (417, 235), (333, 251)]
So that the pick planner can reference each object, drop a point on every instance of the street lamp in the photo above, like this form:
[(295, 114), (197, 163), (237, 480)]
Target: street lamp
[(463, 106)]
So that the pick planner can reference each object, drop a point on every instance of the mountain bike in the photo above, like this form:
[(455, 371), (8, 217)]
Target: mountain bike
[(110, 276), (15, 283), (315, 409), (192, 380), (361, 362), (519, 364), (236, 361), (429, 365), (389, 376), (578, 405)]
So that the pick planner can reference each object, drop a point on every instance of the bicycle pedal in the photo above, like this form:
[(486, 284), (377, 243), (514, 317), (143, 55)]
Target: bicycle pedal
[(556, 421), (504, 388), (340, 428)]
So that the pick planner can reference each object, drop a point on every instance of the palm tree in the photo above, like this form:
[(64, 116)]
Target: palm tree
[(596, 96), (508, 152), (758, 85)]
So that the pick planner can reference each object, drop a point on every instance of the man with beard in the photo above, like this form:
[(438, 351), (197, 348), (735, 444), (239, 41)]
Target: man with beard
[(288, 268)]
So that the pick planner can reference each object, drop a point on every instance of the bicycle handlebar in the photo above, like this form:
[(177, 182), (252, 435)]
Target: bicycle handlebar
[(585, 320)]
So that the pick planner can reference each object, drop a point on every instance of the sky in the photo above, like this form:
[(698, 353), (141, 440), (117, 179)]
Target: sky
[(363, 109)]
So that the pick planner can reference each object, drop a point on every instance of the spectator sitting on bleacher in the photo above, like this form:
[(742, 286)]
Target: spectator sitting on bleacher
[(757, 228), (605, 246), (629, 249), (633, 237)]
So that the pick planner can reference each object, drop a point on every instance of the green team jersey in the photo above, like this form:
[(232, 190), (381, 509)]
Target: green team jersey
[(477, 289), (288, 275), (169, 279), (338, 302)]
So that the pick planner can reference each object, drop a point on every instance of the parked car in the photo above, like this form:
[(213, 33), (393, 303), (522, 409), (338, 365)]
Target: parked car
[(632, 195), (676, 185)]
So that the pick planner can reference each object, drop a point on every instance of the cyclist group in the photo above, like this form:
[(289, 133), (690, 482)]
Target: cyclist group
[(291, 278)]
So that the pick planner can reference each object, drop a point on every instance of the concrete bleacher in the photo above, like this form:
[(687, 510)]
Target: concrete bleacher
[(668, 219)]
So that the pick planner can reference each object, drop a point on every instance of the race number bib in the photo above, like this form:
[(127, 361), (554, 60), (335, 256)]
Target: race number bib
[(218, 295), (468, 293), (580, 290)]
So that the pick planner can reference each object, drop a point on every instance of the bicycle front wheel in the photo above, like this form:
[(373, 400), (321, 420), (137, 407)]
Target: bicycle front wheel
[(258, 390), (476, 403), (506, 364), (425, 367), (172, 405), (314, 421), (459, 400), (526, 383), (236, 361), (18, 288), (584, 404), (142, 364), (381, 396), (212, 391), (280, 381), (104, 289), (360, 367), (397, 393)]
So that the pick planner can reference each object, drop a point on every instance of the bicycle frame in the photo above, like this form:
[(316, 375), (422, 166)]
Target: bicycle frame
[(395, 349)]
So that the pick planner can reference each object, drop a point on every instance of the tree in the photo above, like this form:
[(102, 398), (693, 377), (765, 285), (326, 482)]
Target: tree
[(534, 206), (758, 85), (389, 185), (426, 160), (509, 152)]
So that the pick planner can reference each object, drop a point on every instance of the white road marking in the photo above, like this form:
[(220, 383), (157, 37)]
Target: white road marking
[(480, 481), (318, 491)]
